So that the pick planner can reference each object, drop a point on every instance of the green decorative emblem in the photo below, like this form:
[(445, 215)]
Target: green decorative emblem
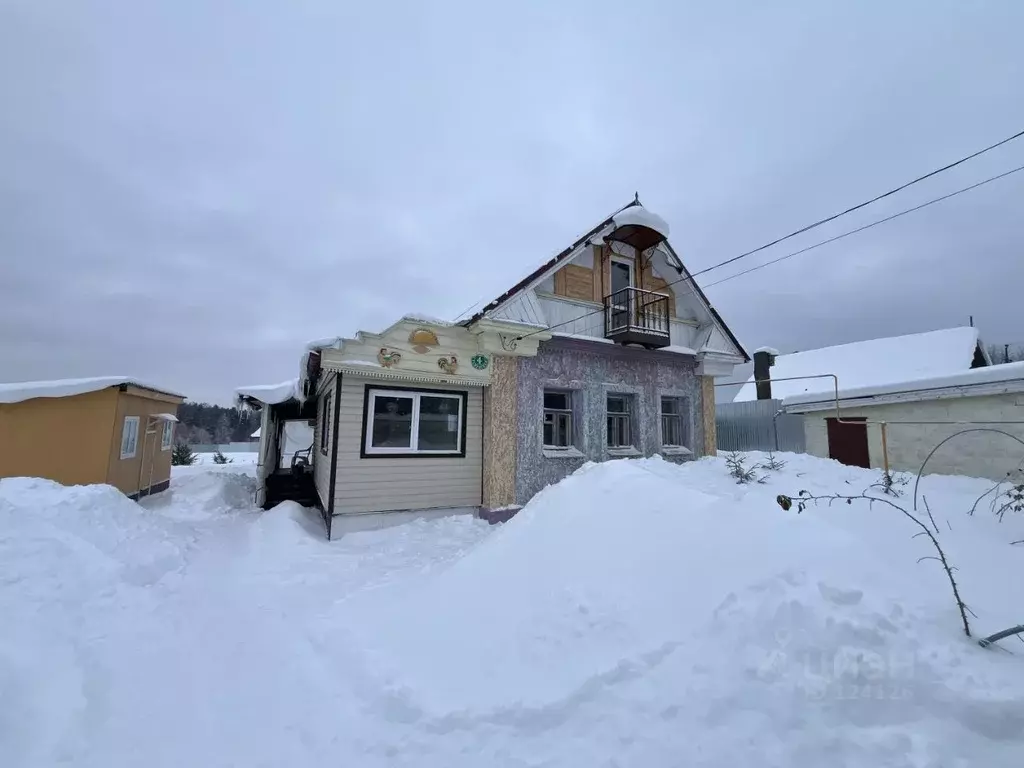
[(479, 361)]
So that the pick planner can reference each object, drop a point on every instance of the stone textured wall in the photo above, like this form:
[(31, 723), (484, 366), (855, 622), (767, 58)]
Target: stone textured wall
[(707, 387), (592, 370), (980, 454), (500, 427)]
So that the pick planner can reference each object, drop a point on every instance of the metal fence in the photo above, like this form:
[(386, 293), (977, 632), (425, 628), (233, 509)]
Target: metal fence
[(757, 425)]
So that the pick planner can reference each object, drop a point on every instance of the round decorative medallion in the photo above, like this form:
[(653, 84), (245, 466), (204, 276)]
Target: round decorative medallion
[(479, 362)]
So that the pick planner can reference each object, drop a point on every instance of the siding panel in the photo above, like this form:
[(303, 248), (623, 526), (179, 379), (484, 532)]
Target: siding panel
[(391, 484), (322, 463)]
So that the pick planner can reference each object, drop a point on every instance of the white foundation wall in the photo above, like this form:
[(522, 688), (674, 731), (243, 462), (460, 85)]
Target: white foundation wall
[(979, 454), (366, 485)]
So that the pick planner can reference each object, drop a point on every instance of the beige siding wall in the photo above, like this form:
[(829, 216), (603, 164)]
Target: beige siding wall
[(322, 461), (391, 484), (60, 438), (980, 454), (144, 469)]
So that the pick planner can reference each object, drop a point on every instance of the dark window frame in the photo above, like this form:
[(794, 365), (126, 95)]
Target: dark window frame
[(676, 418), (463, 397), (558, 416), (325, 424), (619, 423)]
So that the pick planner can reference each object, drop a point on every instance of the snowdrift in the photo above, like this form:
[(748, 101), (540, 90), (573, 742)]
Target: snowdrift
[(637, 613), (681, 626)]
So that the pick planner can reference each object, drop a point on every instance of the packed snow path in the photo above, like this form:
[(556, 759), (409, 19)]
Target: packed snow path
[(638, 613)]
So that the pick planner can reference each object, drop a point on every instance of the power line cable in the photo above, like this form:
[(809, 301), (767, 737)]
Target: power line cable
[(819, 223), (866, 226)]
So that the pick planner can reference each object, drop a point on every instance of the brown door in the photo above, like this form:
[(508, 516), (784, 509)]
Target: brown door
[(848, 443)]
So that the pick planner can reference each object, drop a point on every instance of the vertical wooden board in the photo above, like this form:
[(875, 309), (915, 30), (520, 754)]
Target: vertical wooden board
[(707, 390), (579, 282), (560, 280)]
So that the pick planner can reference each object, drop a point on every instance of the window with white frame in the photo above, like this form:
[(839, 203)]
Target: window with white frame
[(673, 423), (618, 413), (557, 419), (129, 437), (417, 422), (167, 436)]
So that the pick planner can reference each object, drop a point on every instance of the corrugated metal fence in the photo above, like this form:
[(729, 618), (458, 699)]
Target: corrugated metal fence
[(757, 425)]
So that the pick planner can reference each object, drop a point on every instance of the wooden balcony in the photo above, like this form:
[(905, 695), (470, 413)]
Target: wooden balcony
[(636, 316)]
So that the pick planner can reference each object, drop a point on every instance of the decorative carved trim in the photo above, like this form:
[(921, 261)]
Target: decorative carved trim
[(508, 341), (422, 339), (388, 358), (449, 364)]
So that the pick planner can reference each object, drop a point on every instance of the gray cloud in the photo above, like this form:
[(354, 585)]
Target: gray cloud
[(192, 190)]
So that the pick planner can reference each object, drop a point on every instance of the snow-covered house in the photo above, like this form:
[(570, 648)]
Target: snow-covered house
[(924, 387), (112, 429), (607, 350)]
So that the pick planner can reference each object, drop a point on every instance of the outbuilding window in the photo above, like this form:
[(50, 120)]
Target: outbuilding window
[(129, 437), (414, 423), (167, 436)]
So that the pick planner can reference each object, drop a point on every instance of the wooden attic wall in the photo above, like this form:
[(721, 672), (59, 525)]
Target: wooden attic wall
[(574, 281)]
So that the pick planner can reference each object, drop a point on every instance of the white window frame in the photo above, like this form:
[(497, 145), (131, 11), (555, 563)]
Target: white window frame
[(414, 433), (134, 444), (167, 436)]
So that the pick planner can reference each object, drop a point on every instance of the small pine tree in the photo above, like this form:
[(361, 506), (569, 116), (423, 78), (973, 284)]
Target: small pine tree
[(220, 458), (772, 464), (182, 455), (735, 462)]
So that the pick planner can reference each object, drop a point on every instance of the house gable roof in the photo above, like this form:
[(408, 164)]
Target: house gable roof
[(874, 363), (633, 214), (19, 391)]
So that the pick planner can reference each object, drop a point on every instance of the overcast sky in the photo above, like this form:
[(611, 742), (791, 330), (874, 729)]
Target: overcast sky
[(191, 190)]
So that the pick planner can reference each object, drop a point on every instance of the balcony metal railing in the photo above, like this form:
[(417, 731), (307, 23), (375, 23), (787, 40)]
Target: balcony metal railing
[(633, 315)]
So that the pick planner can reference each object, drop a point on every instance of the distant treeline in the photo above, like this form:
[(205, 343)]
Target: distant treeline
[(202, 423)]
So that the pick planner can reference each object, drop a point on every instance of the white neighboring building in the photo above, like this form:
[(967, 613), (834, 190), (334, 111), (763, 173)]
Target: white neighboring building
[(926, 387)]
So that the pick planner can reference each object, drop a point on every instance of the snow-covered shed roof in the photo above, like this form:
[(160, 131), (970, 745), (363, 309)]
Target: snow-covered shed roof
[(271, 394), (20, 391), (1006, 377), (873, 363)]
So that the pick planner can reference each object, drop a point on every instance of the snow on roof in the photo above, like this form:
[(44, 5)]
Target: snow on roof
[(770, 350), (423, 317), (164, 417), (318, 344), (992, 374), (257, 433), (20, 391), (640, 216), (872, 363), (271, 394)]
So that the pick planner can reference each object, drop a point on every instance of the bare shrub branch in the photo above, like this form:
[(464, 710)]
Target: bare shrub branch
[(805, 497)]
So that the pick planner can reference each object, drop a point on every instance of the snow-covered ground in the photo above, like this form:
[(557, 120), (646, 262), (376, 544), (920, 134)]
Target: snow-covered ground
[(638, 613), (240, 458)]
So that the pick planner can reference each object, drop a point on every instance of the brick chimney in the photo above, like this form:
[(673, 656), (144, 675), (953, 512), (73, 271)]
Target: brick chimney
[(764, 359)]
